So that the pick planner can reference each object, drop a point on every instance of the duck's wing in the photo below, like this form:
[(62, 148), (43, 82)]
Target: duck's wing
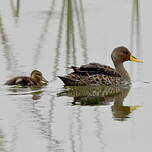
[(96, 68)]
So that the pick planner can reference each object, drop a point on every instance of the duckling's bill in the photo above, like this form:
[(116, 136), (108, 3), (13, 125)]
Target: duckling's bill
[(44, 80), (132, 58)]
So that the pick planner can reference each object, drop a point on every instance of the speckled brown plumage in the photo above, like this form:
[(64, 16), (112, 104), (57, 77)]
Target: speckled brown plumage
[(76, 79), (97, 74)]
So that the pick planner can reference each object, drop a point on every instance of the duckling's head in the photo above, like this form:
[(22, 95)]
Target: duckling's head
[(122, 54), (38, 77)]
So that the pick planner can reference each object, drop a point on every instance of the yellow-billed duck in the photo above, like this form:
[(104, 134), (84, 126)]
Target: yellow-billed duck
[(97, 74), (36, 79)]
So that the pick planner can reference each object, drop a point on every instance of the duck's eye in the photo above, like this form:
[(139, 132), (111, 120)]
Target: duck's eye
[(126, 52)]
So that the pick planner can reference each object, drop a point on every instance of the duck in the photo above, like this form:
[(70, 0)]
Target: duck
[(102, 75), (35, 79)]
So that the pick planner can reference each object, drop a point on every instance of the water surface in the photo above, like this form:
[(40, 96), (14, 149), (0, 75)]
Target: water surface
[(51, 35)]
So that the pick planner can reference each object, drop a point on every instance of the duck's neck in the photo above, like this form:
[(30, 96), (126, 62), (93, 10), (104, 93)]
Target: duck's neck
[(120, 68)]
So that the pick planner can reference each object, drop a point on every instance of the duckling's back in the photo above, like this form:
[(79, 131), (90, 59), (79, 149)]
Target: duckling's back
[(22, 80)]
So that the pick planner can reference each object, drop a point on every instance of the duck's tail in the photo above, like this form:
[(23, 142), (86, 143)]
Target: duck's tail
[(68, 81)]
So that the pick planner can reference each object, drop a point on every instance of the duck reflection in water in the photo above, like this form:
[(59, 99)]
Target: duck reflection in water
[(103, 95), (120, 111)]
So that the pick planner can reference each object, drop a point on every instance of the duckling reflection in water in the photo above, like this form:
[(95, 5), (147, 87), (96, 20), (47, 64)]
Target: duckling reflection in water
[(93, 96), (36, 79), (97, 74)]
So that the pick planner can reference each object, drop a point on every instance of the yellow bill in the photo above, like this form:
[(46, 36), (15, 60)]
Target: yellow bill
[(132, 58), (132, 108)]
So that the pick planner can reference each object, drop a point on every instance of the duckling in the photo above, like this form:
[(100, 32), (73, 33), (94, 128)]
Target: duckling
[(98, 74), (36, 79)]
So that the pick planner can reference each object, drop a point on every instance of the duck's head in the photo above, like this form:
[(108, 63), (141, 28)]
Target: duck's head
[(38, 77), (122, 54)]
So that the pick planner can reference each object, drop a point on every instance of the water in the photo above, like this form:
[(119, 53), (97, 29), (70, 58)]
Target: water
[(51, 35)]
